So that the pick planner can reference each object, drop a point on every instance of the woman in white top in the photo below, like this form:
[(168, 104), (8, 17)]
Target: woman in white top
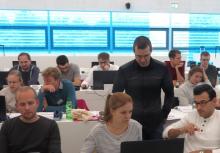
[(14, 80), (184, 93), (117, 127)]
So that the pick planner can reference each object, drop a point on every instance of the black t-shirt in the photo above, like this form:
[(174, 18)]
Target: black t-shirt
[(41, 136)]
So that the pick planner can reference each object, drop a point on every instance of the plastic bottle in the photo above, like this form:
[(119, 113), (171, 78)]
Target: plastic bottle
[(69, 107)]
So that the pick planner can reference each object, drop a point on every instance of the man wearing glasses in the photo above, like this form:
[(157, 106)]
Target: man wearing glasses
[(200, 128), (210, 70), (104, 65), (143, 78), (68, 70)]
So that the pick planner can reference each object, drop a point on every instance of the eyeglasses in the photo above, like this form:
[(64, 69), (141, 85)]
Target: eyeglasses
[(201, 103), (205, 59)]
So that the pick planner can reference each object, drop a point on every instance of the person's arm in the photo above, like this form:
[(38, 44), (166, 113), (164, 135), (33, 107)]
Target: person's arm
[(54, 145), (183, 98), (167, 86), (34, 76), (41, 98), (71, 93), (189, 128), (89, 79), (3, 139), (76, 78), (180, 75), (89, 145), (120, 81)]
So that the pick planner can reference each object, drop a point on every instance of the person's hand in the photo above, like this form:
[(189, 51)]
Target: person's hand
[(84, 86), (181, 64), (49, 88), (106, 67), (190, 129)]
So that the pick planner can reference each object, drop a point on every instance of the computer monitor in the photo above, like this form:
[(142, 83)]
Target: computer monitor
[(103, 77), (3, 76), (16, 63), (2, 109), (97, 63), (153, 146)]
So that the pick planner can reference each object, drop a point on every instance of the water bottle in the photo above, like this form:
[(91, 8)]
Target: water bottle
[(69, 107)]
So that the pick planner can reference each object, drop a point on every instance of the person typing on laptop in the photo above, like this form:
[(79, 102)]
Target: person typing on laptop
[(117, 127), (199, 128)]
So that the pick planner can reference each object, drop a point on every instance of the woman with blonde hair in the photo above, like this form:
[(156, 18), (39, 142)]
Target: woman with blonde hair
[(117, 127), (14, 80), (184, 93)]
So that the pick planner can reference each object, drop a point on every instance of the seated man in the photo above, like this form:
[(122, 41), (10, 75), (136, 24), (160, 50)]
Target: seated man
[(29, 72), (104, 65), (55, 91), (29, 132), (200, 128), (176, 67), (68, 70), (210, 70)]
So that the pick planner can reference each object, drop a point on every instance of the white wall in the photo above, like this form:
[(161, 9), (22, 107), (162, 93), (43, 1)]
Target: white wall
[(198, 6), (185, 6)]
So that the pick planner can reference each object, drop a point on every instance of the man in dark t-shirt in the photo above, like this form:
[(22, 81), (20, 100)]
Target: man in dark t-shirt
[(176, 67), (29, 132)]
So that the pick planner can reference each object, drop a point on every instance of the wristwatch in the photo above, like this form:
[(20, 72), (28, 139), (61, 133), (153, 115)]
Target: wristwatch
[(201, 151)]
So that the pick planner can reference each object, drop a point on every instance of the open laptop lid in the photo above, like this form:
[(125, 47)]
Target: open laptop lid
[(153, 146), (2, 109)]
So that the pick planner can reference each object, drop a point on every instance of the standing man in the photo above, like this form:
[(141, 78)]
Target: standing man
[(210, 70), (68, 70), (29, 72), (29, 132), (143, 79), (200, 128), (176, 67), (55, 91), (104, 65)]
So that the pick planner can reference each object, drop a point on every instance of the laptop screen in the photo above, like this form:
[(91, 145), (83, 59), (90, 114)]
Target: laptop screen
[(153, 146), (2, 108)]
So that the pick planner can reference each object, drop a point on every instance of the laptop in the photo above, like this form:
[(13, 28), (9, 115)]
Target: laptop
[(153, 146), (2, 109)]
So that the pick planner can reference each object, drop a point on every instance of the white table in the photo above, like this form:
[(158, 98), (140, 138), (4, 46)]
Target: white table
[(72, 134)]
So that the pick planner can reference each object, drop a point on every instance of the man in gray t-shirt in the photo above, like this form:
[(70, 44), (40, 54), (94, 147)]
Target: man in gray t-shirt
[(68, 70)]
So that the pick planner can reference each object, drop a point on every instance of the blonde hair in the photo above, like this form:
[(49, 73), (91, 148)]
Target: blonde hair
[(113, 102), (53, 72), (16, 73)]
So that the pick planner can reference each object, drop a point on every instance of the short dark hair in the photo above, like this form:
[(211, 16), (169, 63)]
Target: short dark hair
[(205, 88), (104, 56), (173, 52), (24, 54), (62, 60), (205, 53), (142, 42)]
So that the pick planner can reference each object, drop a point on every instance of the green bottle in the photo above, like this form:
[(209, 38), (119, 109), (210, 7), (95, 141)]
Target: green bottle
[(69, 107)]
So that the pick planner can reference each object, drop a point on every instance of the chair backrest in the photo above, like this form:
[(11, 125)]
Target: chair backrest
[(81, 104), (3, 76), (16, 63)]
